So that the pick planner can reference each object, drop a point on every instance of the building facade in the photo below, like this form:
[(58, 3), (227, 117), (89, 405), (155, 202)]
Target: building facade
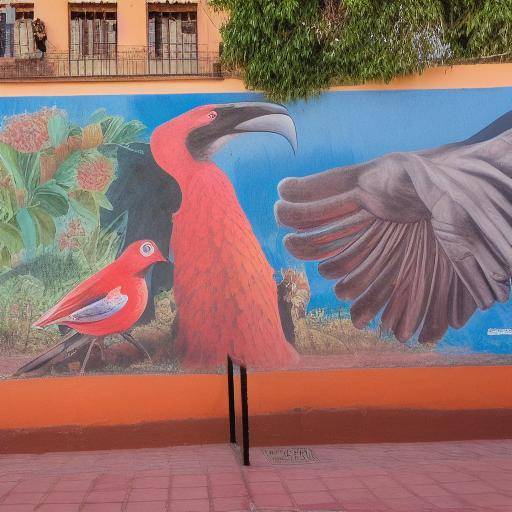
[(114, 38)]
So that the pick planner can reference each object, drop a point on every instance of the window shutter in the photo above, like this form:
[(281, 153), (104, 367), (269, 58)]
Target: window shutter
[(3, 34)]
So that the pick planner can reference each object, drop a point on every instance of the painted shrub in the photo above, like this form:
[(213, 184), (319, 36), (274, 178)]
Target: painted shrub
[(420, 275)]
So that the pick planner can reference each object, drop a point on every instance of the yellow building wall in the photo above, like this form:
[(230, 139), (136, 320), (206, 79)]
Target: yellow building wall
[(54, 13), (132, 26), (209, 22), (132, 23)]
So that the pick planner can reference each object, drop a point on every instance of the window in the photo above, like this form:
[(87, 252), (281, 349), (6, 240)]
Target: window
[(93, 31), (7, 23), (3, 33), (23, 35), (172, 38)]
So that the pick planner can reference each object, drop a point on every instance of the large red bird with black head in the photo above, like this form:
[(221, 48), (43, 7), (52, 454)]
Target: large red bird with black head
[(223, 284)]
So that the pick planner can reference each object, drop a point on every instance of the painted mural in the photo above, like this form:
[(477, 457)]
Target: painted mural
[(162, 233)]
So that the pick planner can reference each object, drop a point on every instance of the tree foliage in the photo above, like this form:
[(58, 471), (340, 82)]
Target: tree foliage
[(295, 48)]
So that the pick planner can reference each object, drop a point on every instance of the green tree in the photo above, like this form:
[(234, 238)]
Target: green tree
[(292, 49)]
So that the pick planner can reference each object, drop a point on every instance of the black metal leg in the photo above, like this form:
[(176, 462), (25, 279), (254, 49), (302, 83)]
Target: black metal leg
[(245, 415), (231, 398)]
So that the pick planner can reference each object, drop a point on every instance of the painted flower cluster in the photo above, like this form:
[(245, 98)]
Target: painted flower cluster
[(28, 133), (95, 175), (72, 235), (54, 179)]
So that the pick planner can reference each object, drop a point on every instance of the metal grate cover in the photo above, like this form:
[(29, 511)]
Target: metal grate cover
[(289, 455)]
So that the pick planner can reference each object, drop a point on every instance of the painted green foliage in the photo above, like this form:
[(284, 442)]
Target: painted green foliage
[(294, 48), (54, 176), (54, 181)]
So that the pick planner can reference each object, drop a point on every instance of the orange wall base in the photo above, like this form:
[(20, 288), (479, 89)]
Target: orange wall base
[(137, 399), (292, 428)]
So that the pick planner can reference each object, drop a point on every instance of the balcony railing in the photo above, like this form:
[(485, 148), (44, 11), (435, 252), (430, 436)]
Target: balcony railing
[(113, 61)]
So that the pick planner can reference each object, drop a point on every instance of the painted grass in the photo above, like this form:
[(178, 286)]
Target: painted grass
[(29, 290)]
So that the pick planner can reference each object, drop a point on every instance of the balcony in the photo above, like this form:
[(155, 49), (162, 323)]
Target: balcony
[(113, 62)]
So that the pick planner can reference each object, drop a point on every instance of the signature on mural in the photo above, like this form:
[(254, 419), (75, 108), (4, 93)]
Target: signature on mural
[(496, 331), (419, 240)]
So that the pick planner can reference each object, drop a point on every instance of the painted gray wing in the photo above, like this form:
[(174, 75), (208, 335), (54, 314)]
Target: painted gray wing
[(424, 238), (100, 309)]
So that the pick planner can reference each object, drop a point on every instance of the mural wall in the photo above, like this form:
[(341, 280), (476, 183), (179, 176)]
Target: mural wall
[(146, 233)]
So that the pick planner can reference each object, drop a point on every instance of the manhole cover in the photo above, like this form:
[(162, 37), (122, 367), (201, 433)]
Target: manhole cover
[(289, 455)]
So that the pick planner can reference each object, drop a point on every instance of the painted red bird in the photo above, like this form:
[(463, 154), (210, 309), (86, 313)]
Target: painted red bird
[(109, 302), (224, 288)]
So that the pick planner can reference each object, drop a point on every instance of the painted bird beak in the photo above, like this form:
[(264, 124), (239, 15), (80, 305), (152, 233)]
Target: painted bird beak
[(161, 258), (237, 118)]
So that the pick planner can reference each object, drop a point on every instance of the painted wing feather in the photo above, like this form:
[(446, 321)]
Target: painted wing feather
[(423, 238), (101, 309), (92, 289)]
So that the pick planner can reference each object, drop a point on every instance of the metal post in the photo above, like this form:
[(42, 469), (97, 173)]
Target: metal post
[(231, 399), (245, 415)]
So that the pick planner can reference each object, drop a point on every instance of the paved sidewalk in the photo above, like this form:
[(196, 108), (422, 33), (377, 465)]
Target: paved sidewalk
[(449, 477)]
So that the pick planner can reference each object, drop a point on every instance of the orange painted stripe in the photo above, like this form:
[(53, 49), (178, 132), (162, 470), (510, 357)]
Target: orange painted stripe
[(125, 400), (461, 76)]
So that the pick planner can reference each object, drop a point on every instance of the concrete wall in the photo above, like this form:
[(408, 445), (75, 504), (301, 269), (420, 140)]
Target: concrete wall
[(441, 106)]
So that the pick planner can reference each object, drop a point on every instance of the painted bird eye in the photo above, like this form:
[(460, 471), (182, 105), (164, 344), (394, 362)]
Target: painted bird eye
[(147, 249), (212, 114)]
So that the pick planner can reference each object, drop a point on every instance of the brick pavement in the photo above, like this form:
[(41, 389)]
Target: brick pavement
[(448, 476)]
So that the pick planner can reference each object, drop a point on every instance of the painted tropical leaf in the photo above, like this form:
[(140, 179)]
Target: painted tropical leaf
[(28, 230), (28, 164), (85, 205), (65, 175), (118, 227), (116, 131), (99, 115), (58, 129), (9, 160), (104, 243), (74, 130), (102, 201), (5, 257), (7, 204), (52, 198), (45, 225), (10, 238)]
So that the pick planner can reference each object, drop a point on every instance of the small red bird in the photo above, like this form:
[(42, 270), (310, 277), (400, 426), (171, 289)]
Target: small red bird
[(224, 287), (109, 302)]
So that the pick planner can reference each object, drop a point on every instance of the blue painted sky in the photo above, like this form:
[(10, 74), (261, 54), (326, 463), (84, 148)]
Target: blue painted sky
[(338, 128)]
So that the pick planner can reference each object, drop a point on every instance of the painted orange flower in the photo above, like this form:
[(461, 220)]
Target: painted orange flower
[(5, 181), (75, 227), (95, 175), (70, 237), (28, 133)]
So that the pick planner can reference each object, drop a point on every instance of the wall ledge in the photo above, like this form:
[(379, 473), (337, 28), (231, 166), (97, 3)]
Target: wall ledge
[(442, 77)]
